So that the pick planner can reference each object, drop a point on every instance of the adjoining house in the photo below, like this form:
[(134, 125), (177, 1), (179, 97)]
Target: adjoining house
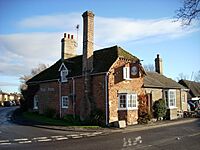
[(194, 88), (157, 86), (106, 81)]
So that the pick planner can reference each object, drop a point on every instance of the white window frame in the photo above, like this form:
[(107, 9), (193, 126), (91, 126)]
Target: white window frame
[(131, 102), (170, 101), (36, 102), (126, 73), (65, 104), (122, 106), (63, 74)]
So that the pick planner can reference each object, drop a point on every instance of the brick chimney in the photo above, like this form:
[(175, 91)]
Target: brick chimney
[(88, 40), (158, 64), (68, 46), (87, 103)]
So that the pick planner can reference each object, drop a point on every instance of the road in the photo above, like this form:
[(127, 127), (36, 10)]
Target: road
[(16, 137)]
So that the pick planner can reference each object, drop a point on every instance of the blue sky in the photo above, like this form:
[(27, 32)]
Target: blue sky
[(31, 30)]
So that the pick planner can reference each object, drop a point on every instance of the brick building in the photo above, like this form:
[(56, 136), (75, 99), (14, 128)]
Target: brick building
[(108, 80)]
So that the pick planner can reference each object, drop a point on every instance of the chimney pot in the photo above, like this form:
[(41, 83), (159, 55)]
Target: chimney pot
[(68, 36), (72, 36), (64, 35)]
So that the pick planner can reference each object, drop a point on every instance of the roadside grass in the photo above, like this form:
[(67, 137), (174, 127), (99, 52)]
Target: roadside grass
[(55, 122)]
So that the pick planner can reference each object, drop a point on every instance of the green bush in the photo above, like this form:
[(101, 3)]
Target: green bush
[(97, 117), (50, 112), (159, 108)]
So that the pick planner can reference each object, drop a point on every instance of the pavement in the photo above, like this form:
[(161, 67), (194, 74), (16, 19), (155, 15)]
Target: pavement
[(18, 119)]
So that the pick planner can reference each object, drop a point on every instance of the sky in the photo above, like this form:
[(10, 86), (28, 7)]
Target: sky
[(31, 31)]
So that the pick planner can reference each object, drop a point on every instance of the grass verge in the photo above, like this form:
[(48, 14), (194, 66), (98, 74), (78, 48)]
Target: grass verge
[(54, 122)]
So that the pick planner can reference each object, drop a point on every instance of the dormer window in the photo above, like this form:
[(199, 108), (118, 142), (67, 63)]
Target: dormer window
[(63, 73)]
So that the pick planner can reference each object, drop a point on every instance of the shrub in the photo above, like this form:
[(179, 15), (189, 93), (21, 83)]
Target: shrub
[(97, 117), (159, 109), (50, 112)]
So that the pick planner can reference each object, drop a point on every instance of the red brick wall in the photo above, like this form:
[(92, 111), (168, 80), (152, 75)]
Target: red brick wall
[(48, 96), (133, 85)]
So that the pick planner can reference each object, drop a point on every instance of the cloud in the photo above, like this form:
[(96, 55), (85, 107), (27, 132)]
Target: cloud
[(20, 52), (4, 84), (59, 21)]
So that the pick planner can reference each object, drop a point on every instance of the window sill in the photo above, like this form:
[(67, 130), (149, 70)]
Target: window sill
[(127, 79), (64, 107), (172, 107), (132, 109), (127, 109)]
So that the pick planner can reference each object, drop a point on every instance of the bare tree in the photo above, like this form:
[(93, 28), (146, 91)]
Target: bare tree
[(149, 67), (194, 76), (182, 76), (197, 76), (188, 12), (34, 72)]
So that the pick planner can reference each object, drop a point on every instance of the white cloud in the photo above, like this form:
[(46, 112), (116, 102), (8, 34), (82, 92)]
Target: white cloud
[(4, 84), (59, 21), (22, 51)]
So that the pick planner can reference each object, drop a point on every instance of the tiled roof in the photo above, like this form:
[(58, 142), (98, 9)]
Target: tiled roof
[(193, 86), (103, 60), (156, 80)]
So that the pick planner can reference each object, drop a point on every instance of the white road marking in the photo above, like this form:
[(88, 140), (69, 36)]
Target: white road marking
[(58, 136), (59, 139), (85, 133), (76, 137), (97, 133), (25, 142), (72, 135), (40, 138), (24, 139), (4, 141), (195, 134), (44, 140)]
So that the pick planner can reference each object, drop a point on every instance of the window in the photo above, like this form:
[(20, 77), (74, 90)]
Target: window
[(132, 101), (63, 75), (63, 72), (65, 102), (122, 101), (127, 101), (170, 98), (126, 73), (35, 102)]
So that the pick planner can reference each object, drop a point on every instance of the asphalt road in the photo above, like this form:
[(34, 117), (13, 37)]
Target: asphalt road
[(184, 137)]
